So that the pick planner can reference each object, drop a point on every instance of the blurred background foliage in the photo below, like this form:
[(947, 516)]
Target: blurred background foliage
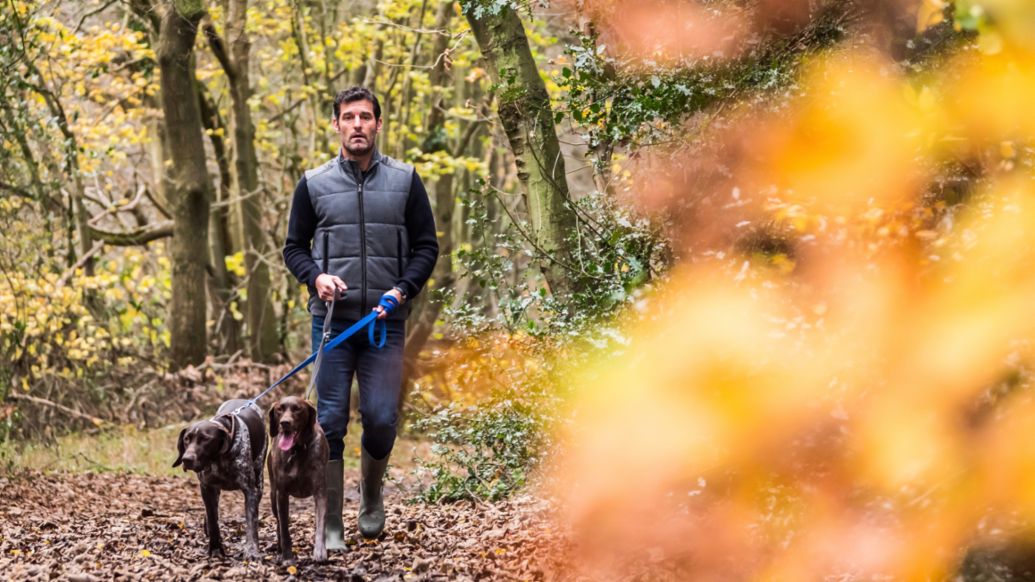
[(754, 272)]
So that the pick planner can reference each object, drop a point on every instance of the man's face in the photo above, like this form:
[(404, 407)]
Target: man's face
[(357, 127)]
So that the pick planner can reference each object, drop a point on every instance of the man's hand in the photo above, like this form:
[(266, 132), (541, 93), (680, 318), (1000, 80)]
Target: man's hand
[(381, 313), (326, 284)]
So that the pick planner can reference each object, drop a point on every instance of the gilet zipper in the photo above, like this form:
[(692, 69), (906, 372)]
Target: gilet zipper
[(362, 247)]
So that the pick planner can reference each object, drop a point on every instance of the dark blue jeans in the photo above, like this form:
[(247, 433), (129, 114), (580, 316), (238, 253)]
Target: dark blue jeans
[(380, 384)]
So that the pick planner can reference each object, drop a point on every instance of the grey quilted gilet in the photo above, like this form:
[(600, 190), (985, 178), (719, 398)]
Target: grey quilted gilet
[(361, 230)]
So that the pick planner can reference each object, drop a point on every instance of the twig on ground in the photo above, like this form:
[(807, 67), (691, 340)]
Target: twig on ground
[(69, 411)]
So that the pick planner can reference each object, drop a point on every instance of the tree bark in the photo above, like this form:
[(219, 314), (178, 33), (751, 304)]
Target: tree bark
[(227, 328), (188, 182), (527, 118), (425, 311), (261, 337)]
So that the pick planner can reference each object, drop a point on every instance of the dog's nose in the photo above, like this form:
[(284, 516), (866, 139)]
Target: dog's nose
[(285, 424)]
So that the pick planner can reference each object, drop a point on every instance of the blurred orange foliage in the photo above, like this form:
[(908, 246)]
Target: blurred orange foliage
[(863, 413)]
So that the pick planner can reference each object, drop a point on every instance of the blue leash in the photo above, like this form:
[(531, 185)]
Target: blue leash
[(388, 302)]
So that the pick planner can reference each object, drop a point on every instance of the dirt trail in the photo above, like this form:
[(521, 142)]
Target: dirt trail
[(125, 527)]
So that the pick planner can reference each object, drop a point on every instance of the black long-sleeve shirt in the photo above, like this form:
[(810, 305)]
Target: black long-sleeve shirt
[(420, 227)]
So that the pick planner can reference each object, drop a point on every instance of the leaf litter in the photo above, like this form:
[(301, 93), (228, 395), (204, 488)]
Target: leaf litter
[(109, 526)]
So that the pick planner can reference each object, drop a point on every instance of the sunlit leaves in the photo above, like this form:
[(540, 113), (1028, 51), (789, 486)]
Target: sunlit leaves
[(876, 389), (827, 153), (235, 263), (104, 71), (47, 330), (439, 163), (930, 13), (1000, 24), (488, 418)]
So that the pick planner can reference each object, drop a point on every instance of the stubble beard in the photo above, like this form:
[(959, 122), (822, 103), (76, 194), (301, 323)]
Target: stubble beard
[(359, 151)]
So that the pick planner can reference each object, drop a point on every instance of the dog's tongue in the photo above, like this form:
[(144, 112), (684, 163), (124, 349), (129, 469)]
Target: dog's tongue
[(287, 440)]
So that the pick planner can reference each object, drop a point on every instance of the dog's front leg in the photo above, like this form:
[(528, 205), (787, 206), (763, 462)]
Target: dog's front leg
[(251, 523), (283, 533), (210, 495), (273, 509), (319, 544)]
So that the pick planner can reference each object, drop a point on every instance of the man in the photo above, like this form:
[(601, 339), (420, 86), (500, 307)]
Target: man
[(360, 225)]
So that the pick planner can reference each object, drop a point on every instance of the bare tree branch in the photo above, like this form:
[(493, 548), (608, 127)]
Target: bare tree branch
[(147, 11), (69, 411), (136, 237), (153, 197), (96, 248), (16, 190), (215, 42), (291, 107), (115, 209), (93, 12)]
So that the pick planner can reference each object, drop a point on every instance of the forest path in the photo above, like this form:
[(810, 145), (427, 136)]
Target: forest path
[(111, 526)]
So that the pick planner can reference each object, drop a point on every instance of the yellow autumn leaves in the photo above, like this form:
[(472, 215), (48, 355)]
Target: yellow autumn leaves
[(93, 68), (47, 329)]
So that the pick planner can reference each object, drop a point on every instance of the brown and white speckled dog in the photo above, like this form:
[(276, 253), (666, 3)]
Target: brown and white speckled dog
[(227, 452), (297, 464)]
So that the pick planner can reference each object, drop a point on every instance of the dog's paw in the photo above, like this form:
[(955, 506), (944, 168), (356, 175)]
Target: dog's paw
[(319, 556), (287, 559), (252, 555), (217, 553)]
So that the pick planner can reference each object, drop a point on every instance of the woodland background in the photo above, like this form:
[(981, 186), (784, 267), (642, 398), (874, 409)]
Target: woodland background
[(769, 261)]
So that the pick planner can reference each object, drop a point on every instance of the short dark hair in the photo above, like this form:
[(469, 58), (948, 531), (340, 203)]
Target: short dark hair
[(356, 93)]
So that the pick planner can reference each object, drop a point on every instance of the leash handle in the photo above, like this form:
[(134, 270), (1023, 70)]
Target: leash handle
[(380, 343), (323, 342), (388, 303)]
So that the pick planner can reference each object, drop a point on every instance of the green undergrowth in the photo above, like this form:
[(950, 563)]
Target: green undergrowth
[(123, 449), (127, 449), (481, 453)]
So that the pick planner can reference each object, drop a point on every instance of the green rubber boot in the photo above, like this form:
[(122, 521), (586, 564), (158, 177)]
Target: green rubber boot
[(333, 526), (371, 503)]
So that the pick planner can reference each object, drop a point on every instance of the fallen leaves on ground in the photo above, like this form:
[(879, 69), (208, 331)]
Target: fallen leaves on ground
[(106, 526)]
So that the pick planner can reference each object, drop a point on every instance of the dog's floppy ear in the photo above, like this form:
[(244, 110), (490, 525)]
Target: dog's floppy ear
[(181, 448), (312, 414), (274, 421), (310, 423), (228, 434)]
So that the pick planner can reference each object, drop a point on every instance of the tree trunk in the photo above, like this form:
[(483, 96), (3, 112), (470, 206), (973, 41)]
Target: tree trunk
[(426, 311), (298, 33), (261, 321), (188, 183), (527, 118), (227, 328), (406, 96), (373, 65)]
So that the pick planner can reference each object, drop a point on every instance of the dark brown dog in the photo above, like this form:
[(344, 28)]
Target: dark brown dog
[(297, 465), (227, 452)]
